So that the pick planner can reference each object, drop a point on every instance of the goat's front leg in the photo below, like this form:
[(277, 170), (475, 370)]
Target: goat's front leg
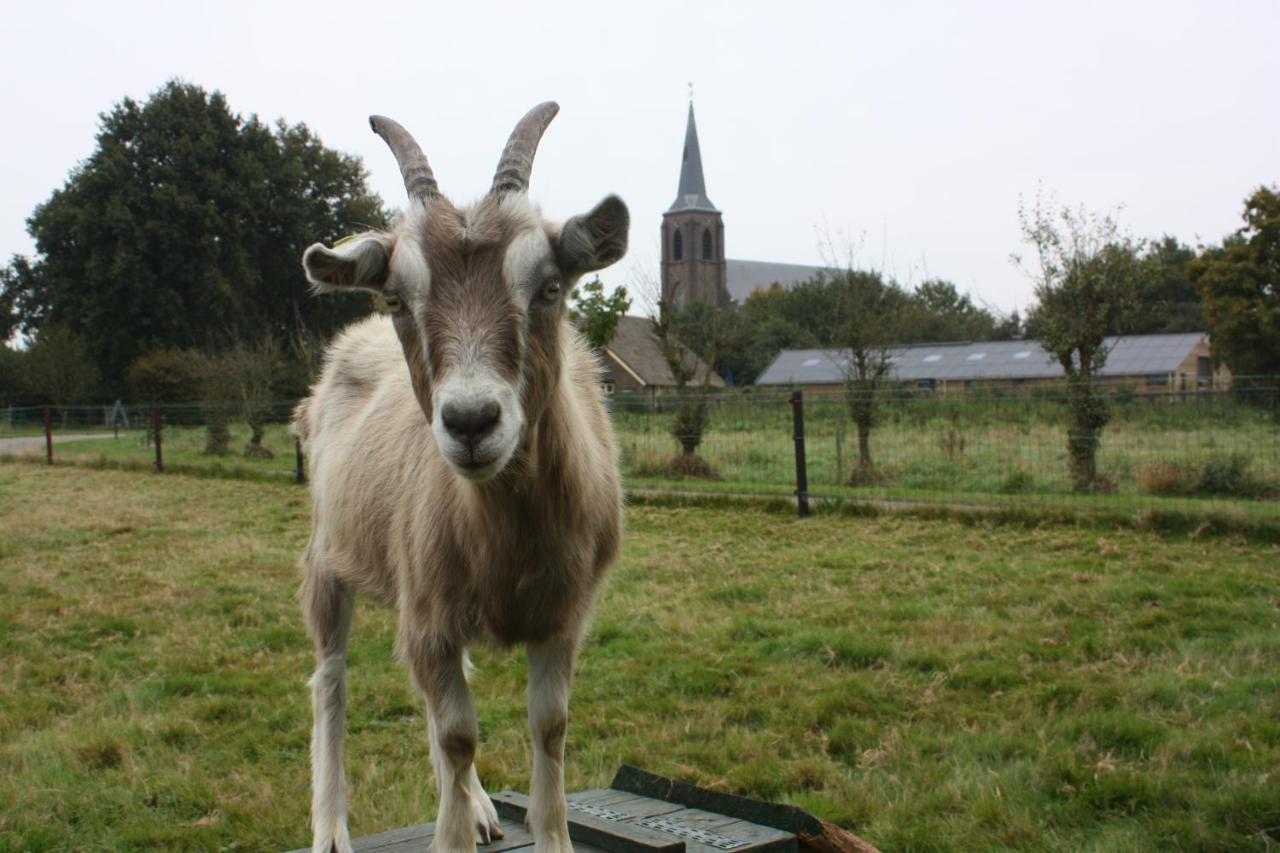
[(550, 674), (327, 606), (466, 814)]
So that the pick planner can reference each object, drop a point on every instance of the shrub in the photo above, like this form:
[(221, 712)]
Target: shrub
[(1016, 482), (1169, 479), (166, 376), (1227, 475), (692, 465)]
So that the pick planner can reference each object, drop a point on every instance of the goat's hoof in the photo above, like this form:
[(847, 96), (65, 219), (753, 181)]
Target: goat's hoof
[(552, 842), (487, 826), (337, 840)]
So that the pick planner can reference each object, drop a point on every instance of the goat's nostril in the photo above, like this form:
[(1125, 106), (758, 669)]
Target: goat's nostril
[(470, 423)]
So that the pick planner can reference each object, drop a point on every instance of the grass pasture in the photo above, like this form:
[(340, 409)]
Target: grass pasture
[(1206, 454), (929, 684)]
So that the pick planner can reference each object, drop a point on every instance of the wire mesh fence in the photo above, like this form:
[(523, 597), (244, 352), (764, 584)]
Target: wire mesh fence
[(1197, 449)]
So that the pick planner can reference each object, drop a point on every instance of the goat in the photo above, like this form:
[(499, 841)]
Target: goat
[(463, 472)]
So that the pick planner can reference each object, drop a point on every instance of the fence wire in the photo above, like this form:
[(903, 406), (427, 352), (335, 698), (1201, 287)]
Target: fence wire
[(1197, 449)]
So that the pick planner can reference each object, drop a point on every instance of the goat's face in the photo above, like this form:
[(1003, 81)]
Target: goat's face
[(478, 297)]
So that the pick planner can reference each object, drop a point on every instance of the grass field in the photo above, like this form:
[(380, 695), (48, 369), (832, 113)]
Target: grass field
[(929, 684)]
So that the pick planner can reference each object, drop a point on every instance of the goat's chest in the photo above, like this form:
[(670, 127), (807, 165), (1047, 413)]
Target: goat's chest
[(528, 591), (530, 583)]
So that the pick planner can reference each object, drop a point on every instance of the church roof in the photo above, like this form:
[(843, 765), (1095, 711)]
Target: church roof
[(745, 277), (692, 194)]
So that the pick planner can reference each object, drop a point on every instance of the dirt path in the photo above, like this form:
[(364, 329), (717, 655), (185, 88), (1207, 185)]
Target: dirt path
[(35, 443)]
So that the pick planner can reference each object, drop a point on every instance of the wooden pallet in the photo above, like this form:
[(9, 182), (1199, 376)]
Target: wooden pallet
[(642, 812)]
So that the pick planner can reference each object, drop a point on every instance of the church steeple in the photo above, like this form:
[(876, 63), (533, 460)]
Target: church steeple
[(693, 266), (692, 194)]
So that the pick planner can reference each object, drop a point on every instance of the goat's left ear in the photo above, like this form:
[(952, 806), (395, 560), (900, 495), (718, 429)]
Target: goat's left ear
[(594, 241)]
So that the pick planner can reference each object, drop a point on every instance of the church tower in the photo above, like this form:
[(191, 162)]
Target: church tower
[(693, 267)]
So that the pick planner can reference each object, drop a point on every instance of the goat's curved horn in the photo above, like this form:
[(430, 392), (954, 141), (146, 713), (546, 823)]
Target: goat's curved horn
[(516, 162), (418, 179)]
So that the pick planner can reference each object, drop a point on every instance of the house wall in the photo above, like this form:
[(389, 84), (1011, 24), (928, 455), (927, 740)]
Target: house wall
[(617, 375)]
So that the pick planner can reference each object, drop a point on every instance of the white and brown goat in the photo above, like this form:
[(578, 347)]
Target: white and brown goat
[(463, 471)]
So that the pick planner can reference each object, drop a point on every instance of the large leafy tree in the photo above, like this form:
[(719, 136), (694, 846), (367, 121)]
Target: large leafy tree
[(1240, 283), (183, 229), (1087, 278), (1167, 300)]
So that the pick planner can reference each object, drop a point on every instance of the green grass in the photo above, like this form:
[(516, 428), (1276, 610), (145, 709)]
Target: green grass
[(930, 684)]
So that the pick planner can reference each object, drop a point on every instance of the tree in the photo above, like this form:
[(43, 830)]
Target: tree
[(939, 312), (596, 315), (183, 229), (678, 332), (59, 369), (1167, 299), (250, 371), (1087, 280), (1240, 283), (869, 318)]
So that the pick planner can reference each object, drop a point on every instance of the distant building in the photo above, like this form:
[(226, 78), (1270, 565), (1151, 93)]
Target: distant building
[(633, 361), (694, 268), (1146, 363)]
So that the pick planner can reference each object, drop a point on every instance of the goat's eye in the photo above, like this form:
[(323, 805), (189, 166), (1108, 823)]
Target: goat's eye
[(393, 303), (551, 289)]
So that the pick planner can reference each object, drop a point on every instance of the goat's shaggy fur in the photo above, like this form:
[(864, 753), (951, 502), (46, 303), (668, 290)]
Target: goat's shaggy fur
[(509, 555)]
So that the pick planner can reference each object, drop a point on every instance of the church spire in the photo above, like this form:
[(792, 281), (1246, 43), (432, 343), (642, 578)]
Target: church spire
[(692, 194)]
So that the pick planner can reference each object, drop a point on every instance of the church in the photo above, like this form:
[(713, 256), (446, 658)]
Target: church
[(694, 267)]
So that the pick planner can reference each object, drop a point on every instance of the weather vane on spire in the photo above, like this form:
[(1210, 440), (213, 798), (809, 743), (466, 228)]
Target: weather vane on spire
[(691, 91)]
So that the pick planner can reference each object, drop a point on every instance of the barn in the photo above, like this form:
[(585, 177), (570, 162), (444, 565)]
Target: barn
[(1142, 363)]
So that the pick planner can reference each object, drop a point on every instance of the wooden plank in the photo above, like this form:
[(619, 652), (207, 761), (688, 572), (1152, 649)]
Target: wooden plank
[(708, 832), (587, 829), (621, 805), (418, 838), (813, 833)]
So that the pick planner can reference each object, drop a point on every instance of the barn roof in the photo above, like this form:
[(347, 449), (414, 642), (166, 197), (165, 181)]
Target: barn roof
[(1128, 356)]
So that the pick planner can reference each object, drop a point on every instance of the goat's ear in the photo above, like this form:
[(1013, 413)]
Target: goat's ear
[(595, 240), (362, 261)]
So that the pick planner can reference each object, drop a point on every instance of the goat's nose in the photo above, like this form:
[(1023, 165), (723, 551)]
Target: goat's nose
[(469, 424)]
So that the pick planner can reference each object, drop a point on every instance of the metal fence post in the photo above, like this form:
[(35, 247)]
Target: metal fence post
[(48, 434), (157, 424), (802, 474), (300, 470)]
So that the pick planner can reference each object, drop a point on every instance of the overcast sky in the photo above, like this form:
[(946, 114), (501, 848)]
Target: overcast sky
[(905, 133)]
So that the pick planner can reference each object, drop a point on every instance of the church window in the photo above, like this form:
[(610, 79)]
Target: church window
[(706, 244), (677, 246)]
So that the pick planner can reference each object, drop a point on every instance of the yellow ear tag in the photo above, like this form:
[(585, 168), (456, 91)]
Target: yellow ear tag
[(346, 239)]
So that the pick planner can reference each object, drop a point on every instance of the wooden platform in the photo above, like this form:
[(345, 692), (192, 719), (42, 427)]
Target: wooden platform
[(642, 812)]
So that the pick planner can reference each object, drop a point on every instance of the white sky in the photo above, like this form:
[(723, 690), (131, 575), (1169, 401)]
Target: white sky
[(908, 132)]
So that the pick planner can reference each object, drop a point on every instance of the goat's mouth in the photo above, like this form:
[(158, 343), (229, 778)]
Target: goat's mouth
[(479, 469)]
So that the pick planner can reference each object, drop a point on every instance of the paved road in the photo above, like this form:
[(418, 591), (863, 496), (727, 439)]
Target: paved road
[(35, 443)]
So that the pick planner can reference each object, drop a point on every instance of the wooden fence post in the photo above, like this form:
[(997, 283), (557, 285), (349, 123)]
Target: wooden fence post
[(48, 434), (157, 425), (802, 473), (300, 469)]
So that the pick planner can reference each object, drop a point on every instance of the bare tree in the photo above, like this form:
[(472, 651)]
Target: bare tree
[(1087, 280), (867, 323)]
